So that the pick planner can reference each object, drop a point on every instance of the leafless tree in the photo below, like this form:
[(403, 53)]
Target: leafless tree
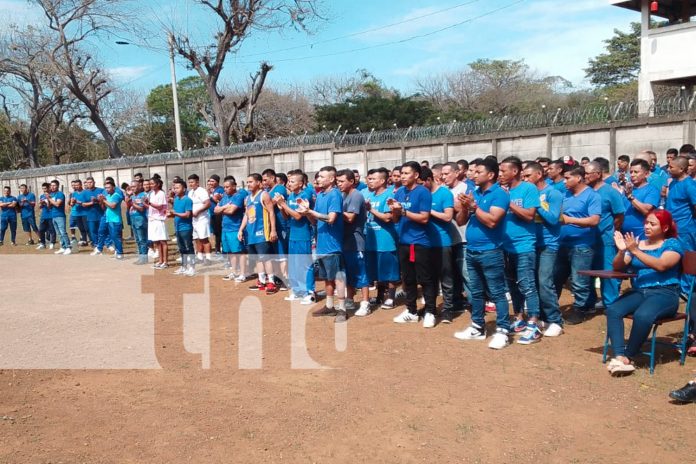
[(330, 90), (237, 20), (26, 74), (73, 23)]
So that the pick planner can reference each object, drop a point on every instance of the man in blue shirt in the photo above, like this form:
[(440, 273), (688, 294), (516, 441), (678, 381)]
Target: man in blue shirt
[(611, 220), (381, 238), (77, 212), (442, 233), (216, 191), (681, 202), (231, 208), (93, 209), (640, 199), (555, 175), (46, 230), (669, 156), (137, 211), (327, 214), (56, 199), (112, 199), (182, 212), (301, 268), (354, 216), (276, 189), (27, 201), (520, 249), (410, 209), (582, 210), (486, 210), (548, 231), (8, 216)]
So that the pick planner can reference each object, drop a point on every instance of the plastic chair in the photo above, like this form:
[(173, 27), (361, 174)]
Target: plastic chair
[(688, 268)]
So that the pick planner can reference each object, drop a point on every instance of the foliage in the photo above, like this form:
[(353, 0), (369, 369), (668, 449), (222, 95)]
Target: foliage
[(620, 64)]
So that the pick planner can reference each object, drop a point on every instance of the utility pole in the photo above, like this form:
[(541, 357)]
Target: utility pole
[(175, 96)]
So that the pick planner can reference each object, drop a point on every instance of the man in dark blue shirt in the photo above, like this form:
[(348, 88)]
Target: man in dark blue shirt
[(411, 211)]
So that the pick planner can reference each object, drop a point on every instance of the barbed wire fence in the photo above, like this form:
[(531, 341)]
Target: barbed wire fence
[(594, 113)]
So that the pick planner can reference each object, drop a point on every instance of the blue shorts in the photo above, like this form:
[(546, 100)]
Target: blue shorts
[(230, 243), (383, 266), (356, 272), (281, 246), (29, 223), (262, 251), (73, 222), (330, 267)]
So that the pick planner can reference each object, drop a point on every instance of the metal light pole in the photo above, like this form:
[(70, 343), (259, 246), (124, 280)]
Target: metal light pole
[(175, 96)]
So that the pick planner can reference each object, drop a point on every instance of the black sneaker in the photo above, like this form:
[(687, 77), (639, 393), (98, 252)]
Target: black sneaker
[(446, 317), (324, 312), (341, 317), (576, 317), (686, 394)]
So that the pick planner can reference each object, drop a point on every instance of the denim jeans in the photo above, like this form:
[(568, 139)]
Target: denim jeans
[(46, 231), (184, 240), (571, 260), (460, 256), (103, 238), (646, 305), (12, 224), (300, 267), (93, 231), (116, 235), (486, 272), (139, 225), (548, 297), (603, 259), (520, 274), (59, 226)]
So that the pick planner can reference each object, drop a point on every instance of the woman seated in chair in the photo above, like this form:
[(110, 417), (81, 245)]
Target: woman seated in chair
[(655, 293)]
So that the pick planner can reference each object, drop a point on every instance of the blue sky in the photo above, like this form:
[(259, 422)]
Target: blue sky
[(554, 37)]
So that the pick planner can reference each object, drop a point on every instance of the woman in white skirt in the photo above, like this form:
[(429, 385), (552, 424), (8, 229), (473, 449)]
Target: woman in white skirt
[(156, 221)]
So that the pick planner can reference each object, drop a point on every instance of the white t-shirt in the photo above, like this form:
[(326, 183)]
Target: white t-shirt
[(157, 199), (462, 188), (198, 197)]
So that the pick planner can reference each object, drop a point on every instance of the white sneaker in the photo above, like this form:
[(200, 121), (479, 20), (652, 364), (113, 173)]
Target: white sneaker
[(190, 272), (363, 310), (292, 297), (429, 321), (112, 248), (179, 271), (118, 257), (309, 299), (554, 330), (406, 317), (240, 278), (473, 332), (67, 251), (95, 252), (41, 246), (50, 247), (59, 252), (499, 340)]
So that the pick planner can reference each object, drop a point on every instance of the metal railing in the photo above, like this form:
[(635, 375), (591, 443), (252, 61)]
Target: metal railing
[(594, 113)]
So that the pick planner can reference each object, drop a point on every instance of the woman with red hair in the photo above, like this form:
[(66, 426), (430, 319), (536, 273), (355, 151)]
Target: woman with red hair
[(655, 292)]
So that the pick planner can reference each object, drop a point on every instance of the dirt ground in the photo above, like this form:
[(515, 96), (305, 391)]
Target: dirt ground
[(94, 369)]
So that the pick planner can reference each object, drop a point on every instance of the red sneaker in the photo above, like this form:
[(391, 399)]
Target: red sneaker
[(260, 286), (271, 288)]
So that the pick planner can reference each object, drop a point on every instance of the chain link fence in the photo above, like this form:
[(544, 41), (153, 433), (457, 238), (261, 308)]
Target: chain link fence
[(595, 113)]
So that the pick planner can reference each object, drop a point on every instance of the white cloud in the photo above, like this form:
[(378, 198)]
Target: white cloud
[(19, 12), (127, 74)]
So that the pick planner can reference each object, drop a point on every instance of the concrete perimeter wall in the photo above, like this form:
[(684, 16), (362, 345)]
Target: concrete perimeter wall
[(609, 140)]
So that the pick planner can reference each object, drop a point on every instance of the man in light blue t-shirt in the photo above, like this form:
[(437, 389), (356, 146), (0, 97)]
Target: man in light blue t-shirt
[(520, 250), (56, 199), (27, 201), (8, 216), (582, 210), (111, 199)]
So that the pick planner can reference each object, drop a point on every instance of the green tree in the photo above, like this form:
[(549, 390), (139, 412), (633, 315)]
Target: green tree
[(620, 64), (193, 99), (375, 112)]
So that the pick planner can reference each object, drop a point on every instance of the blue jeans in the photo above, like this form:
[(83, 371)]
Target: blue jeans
[(486, 272), (548, 296), (115, 234), (300, 267), (184, 240), (139, 225), (10, 222), (93, 231), (59, 226), (603, 259), (46, 231), (646, 305), (520, 273), (568, 263), (103, 238)]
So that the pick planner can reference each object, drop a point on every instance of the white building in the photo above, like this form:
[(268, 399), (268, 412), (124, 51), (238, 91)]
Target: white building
[(668, 51)]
